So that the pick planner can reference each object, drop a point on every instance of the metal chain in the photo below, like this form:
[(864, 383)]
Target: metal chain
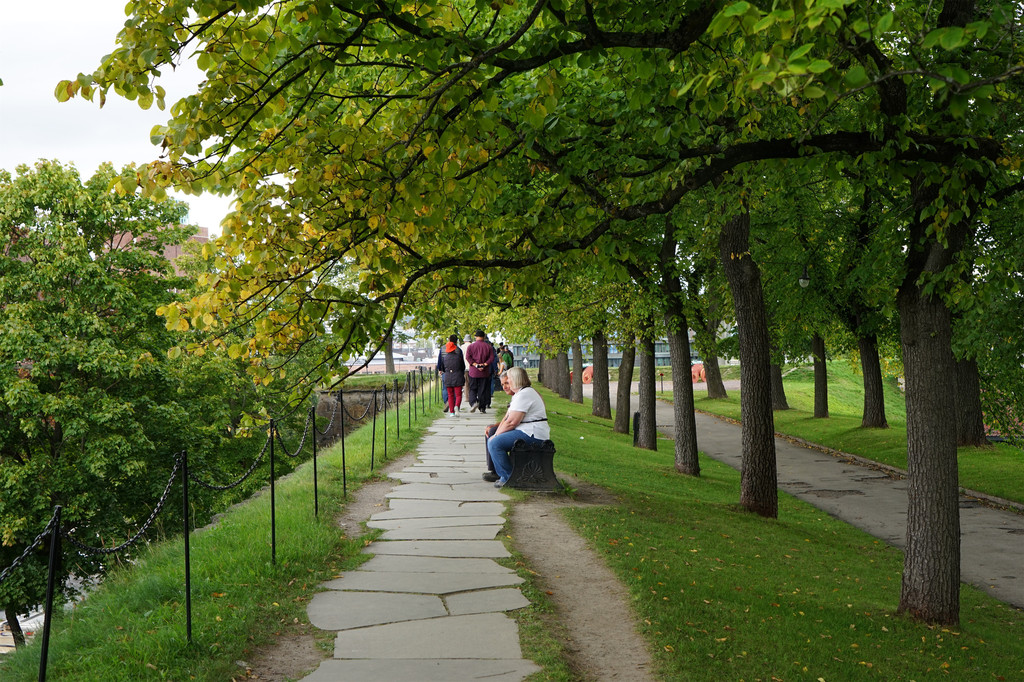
[(305, 432), (28, 550), (247, 474), (365, 412), (145, 526), (334, 413)]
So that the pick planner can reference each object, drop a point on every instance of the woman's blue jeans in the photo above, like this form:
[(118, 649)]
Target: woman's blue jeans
[(499, 446)]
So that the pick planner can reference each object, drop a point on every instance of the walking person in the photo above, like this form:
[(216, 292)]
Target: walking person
[(452, 367), (479, 356)]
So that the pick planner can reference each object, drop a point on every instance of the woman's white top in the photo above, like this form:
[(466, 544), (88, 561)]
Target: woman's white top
[(534, 423)]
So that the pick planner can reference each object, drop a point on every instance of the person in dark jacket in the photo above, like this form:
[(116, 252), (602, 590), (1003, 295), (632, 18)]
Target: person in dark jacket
[(480, 355), (452, 368)]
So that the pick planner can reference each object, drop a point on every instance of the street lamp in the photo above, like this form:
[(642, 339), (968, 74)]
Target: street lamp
[(805, 279)]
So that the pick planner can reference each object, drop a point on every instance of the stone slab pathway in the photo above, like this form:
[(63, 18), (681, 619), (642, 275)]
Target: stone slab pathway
[(432, 603)]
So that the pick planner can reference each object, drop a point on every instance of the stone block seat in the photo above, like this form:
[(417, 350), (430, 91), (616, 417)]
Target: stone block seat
[(533, 467)]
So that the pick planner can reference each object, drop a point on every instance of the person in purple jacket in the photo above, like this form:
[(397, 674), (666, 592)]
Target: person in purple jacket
[(479, 356)]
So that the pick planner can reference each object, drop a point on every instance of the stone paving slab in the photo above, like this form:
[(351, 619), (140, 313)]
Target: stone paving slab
[(488, 549), (420, 583), (450, 533), (397, 563), (428, 491), (337, 610), (423, 670), (408, 509), (486, 635), (485, 601), (448, 477), (434, 522)]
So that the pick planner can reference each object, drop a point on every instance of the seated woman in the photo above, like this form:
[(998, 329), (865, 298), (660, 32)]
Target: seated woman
[(526, 419)]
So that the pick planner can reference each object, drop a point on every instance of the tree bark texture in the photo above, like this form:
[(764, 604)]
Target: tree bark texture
[(542, 370), (576, 389), (713, 379), (602, 403), (970, 420), (646, 435), (874, 395), (562, 373), (779, 401), (389, 354), (820, 377), (623, 412), (758, 477), (712, 372), (931, 567), (12, 621), (682, 390)]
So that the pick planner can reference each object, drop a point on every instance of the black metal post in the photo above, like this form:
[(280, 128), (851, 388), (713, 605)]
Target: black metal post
[(662, 375), (188, 560), (409, 396), (636, 423), (316, 490), (373, 434), (398, 413), (51, 579), (273, 519), (384, 390), (344, 473)]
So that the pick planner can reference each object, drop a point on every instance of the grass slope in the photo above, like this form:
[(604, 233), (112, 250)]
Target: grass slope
[(722, 594), (133, 626)]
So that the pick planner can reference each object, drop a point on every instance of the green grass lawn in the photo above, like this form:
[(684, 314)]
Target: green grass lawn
[(997, 470), (721, 594)]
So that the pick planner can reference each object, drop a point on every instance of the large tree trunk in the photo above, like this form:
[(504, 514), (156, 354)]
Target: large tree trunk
[(12, 620), (389, 354), (602, 403), (542, 370), (623, 411), (758, 477), (682, 390), (820, 377), (779, 401), (874, 395), (931, 567), (562, 374), (576, 389), (970, 422), (646, 435)]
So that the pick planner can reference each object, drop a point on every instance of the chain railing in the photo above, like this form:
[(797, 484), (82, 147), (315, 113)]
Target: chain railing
[(385, 397)]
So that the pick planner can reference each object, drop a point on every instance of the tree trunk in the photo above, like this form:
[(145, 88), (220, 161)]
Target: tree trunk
[(713, 379), (931, 567), (389, 354), (820, 377), (874, 395), (712, 372), (646, 435), (970, 421), (542, 370), (12, 620), (563, 373), (576, 389), (623, 411), (758, 477), (602, 403), (682, 389), (779, 401)]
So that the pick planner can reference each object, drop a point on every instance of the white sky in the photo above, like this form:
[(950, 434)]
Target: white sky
[(58, 39)]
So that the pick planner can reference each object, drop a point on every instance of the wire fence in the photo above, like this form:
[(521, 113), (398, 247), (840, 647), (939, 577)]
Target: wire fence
[(381, 401)]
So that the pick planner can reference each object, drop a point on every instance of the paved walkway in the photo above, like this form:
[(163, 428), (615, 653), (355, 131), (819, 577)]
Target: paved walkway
[(991, 540), (431, 604)]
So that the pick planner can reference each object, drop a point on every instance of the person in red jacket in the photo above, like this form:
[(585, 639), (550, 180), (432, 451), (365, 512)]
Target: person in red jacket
[(479, 356)]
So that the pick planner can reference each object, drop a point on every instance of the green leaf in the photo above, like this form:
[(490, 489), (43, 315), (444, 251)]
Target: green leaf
[(736, 9), (857, 77), (813, 92), (819, 66)]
